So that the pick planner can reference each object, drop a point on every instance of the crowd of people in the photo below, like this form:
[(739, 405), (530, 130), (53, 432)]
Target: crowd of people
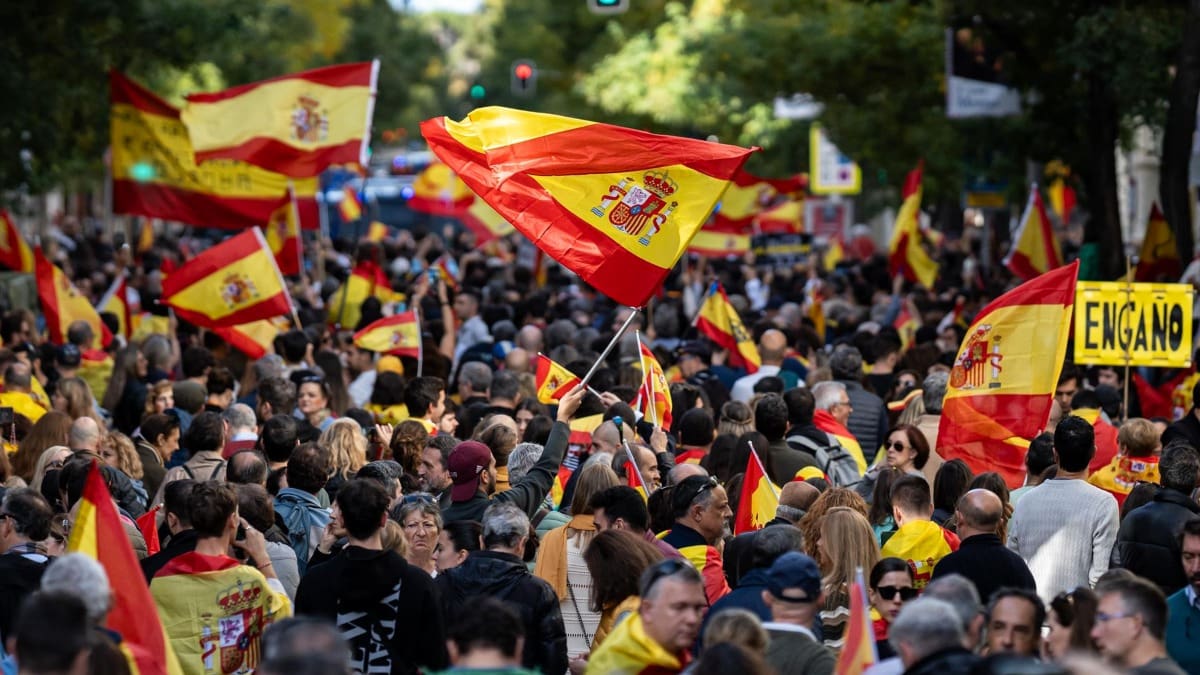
[(327, 509)]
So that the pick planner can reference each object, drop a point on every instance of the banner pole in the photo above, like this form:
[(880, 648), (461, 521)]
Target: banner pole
[(1128, 291), (420, 340), (612, 343)]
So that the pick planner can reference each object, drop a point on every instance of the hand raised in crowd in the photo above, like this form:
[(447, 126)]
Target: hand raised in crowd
[(255, 547), (609, 399), (570, 404), (385, 432), (658, 440)]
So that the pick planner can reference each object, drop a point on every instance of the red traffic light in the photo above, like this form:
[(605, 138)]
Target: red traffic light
[(523, 71)]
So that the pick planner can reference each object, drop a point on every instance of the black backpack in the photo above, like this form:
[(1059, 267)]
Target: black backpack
[(837, 463)]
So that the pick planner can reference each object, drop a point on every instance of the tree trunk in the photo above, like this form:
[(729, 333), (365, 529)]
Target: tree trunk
[(1103, 226), (1177, 137)]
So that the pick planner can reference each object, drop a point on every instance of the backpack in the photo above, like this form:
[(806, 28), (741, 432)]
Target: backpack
[(833, 459)]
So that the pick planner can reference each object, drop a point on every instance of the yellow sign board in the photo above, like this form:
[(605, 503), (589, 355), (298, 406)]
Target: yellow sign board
[(1133, 324)]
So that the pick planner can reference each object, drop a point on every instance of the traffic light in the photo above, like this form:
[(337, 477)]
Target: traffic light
[(524, 78), (478, 92), (608, 6)]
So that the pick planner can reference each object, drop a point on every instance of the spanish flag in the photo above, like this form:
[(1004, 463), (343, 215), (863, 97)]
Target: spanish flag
[(146, 324), (399, 334), (1035, 248), (1003, 379), (155, 174), (720, 322), (254, 339), (296, 125), (712, 243), (905, 253), (785, 218), (447, 269), (826, 422), (1159, 259), (483, 221), (858, 647), (745, 197), (439, 192), (760, 498), (234, 282), (552, 380), (906, 324), (616, 206), (283, 236), (633, 475), (366, 280), (654, 396), (1062, 195), (15, 254), (116, 300), (377, 231), (63, 304), (834, 254), (99, 534), (350, 208)]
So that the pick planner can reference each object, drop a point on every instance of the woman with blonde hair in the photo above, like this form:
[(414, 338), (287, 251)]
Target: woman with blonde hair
[(52, 429), (847, 545), (737, 626), (52, 459), (561, 563), (117, 450), (810, 524), (392, 538), (74, 397), (347, 452)]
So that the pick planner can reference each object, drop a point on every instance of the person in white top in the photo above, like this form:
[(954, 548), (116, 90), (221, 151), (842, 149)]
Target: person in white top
[(771, 348)]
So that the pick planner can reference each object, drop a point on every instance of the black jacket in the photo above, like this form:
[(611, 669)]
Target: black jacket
[(987, 563), (1187, 428), (953, 661), (783, 461), (506, 578), (177, 545), (19, 576), (387, 609), (526, 494), (1148, 541), (868, 421)]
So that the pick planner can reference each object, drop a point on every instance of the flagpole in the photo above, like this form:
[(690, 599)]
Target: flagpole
[(420, 340), (612, 343), (758, 460), (629, 453), (645, 378)]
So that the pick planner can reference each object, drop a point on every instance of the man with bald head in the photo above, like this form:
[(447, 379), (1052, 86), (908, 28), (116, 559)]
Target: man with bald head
[(606, 438), (84, 436), (518, 361), (795, 499), (529, 338), (982, 557), (771, 349)]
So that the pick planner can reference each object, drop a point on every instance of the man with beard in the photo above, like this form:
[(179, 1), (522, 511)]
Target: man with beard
[(432, 472)]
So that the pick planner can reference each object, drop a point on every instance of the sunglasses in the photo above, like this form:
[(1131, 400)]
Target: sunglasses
[(418, 498), (889, 592), (710, 485), (661, 570), (898, 446)]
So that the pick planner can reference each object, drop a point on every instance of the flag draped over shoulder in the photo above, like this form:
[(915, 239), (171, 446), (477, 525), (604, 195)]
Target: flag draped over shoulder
[(759, 498), (99, 534), (15, 253), (616, 206), (155, 172), (654, 396), (439, 192), (552, 380), (399, 334), (1035, 249), (297, 124), (116, 300), (63, 304), (232, 283), (858, 649), (827, 423), (720, 322), (1004, 375), (905, 253), (283, 237), (1159, 258)]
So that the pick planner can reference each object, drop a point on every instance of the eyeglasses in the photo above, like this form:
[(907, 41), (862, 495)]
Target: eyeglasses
[(898, 446), (889, 592), (661, 570), (1102, 617), (845, 403)]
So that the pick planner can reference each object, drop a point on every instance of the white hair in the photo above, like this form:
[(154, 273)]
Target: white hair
[(240, 417), (827, 394), (81, 576), (521, 460)]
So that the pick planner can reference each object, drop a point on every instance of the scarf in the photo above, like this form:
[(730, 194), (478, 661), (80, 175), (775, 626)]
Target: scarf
[(552, 554), (628, 649)]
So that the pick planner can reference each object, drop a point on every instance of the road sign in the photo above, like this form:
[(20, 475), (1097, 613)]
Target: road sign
[(831, 172)]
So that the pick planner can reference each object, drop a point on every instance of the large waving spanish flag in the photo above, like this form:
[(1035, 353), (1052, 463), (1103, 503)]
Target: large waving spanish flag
[(483, 221), (1159, 258), (905, 253), (1035, 248), (1003, 379), (155, 172), (438, 191), (720, 322), (552, 380), (399, 334), (760, 498), (99, 534), (234, 282), (15, 253), (616, 206), (654, 396), (283, 237), (296, 125), (63, 304)]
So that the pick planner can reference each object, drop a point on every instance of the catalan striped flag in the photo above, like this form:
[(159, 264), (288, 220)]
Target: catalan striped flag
[(1035, 249), (99, 534), (399, 334), (654, 396), (552, 380), (760, 498), (858, 649), (826, 422), (116, 300), (63, 304), (297, 125), (283, 237), (616, 206), (720, 322), (350, 208), (905, 253), (15, 253), (1003, 379), (438, 191)]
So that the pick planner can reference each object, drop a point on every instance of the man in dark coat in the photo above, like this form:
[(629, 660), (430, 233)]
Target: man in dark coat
[(1187, 428), (981, 557)]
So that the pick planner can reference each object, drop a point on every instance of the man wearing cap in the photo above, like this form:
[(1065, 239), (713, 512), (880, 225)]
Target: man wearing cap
[(694, 358), (472, 469), (793, 596), (701, 508)]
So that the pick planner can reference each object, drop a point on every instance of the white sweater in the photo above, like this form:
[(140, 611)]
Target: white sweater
[(1065, 530)]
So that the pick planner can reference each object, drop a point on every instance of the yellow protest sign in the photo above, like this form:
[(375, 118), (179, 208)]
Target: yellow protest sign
[(1136, 324)]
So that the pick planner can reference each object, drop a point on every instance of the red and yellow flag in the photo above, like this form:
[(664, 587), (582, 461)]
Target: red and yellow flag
[(366, 280), (1035, 249), (720, 322), (15, 253), (255, 339), (786, 218), (1062, 199), (116, 300), (712, 243), (63, 304), (1002, 382), (283, 237), (905, 253), (1159, 259), (99, 534), (654, 396), (447, 269), (552, 380), (745, 197), (399, 334), (232, 283), (858, 647), (155, 172), (834, 254), (483, 221), (633, 475), (760, 498), (377, 231), (350, 208), (616, 206), (826, 422), (297, 125), (438, 191)]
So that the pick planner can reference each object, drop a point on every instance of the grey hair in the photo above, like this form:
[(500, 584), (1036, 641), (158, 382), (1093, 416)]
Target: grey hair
[(83, 432), (1178, 467), (958, 592), (157, 351), (78, 575), (425, 507), (846, 363), (827, 394), (933, 390), (604, 458), (504, 525), (521, 460), (240, 416), (676, 474), (476, 374), (927, 625), (270, 365)]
